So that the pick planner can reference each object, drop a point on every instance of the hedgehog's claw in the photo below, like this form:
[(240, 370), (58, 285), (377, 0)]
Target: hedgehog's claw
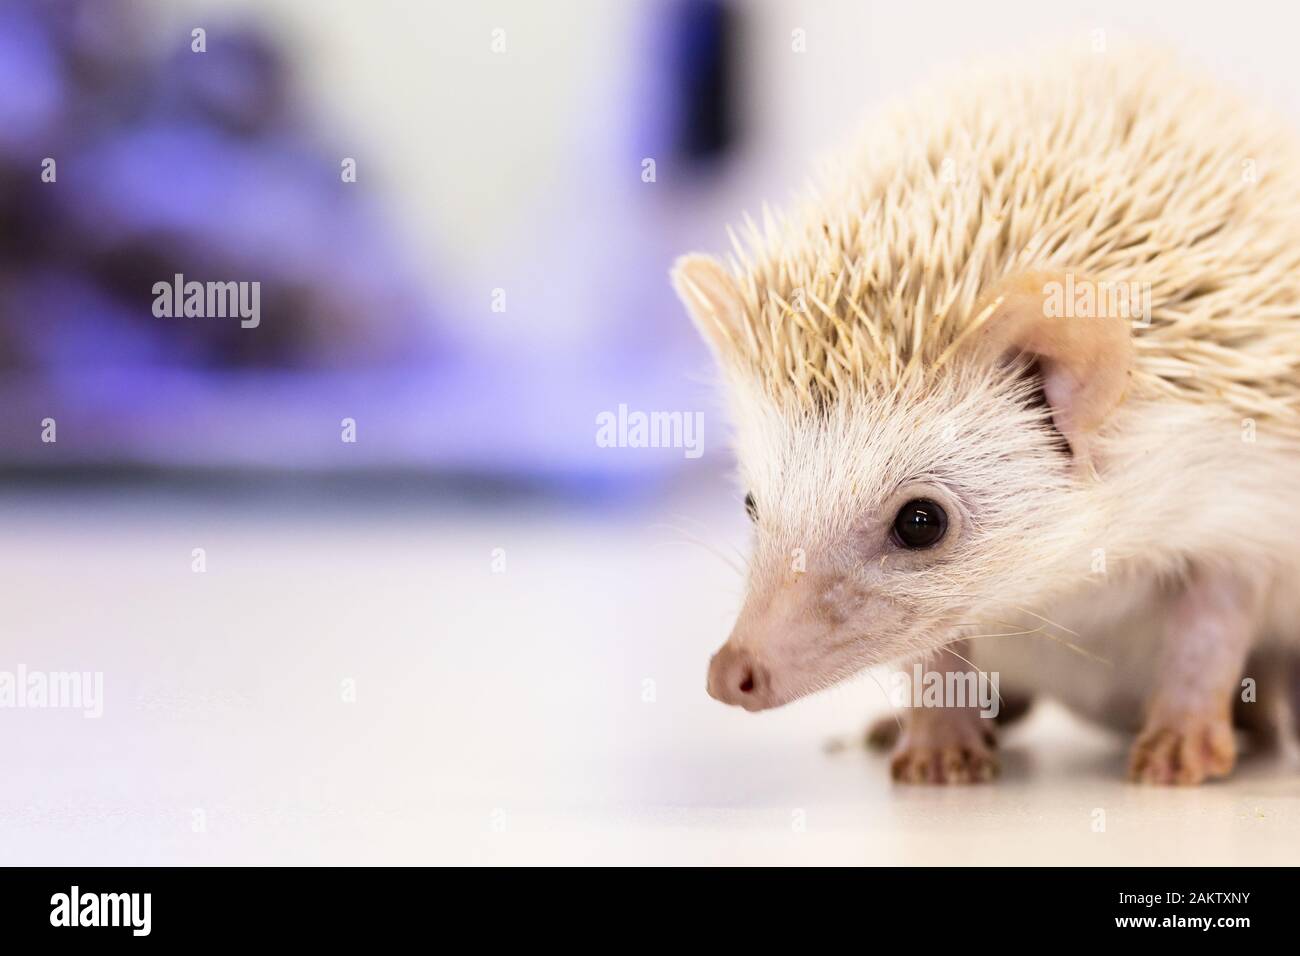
[(1183, 752), (945, 747)]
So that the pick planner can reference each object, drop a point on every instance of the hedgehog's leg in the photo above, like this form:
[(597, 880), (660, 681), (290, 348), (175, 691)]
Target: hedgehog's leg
[(945, 745), (1291, 680), (948, 744), (883, 732), (1264, 715), (1187, 735)]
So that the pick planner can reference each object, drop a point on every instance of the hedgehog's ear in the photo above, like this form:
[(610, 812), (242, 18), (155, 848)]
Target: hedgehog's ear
[(1084, 355), (713, 300)]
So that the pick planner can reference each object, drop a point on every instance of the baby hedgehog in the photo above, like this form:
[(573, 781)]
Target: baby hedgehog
[(1016, 389)]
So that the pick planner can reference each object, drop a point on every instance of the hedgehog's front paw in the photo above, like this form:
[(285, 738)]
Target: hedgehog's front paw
[(1185, 750), (956, 747)]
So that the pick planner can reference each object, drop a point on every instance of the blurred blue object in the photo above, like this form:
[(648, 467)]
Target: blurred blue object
[(203, 166)]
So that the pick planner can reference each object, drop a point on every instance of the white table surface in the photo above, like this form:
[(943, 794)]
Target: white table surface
[(499, 718)]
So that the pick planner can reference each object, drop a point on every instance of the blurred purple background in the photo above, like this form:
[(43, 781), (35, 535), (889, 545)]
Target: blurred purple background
[(217, 166)]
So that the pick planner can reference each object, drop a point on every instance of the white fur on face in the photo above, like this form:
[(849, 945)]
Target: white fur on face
[(830, 591)]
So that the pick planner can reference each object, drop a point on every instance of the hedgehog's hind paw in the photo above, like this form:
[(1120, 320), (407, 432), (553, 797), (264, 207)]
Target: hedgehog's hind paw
[(1184, 753)]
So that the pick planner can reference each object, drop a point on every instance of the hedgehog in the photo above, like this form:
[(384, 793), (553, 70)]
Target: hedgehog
[(1015, 389)]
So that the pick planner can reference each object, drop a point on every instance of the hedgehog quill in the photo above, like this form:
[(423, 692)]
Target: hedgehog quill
[(1016, 388)]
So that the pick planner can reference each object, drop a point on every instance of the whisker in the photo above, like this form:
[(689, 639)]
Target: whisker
[(893, 711), (704, 526), (973, 637), (1079, 650), (1025, 610), (1038, 630), (692, 539), (993, 684)]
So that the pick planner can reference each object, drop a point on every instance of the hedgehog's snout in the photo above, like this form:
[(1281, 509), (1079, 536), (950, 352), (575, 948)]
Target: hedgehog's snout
[(737, 676)]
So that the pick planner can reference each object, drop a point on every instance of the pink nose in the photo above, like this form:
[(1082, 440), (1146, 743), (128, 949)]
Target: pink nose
[(737, 677)]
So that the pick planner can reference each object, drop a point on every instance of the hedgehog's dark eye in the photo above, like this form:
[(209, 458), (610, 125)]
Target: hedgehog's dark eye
[(751, 509), (920, 524)]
